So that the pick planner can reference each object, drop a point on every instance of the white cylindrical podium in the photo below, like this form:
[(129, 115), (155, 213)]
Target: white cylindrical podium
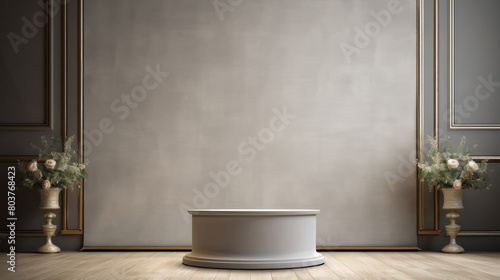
[(254, 238)]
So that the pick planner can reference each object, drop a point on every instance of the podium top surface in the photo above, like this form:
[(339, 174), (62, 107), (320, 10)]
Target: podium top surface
[(252, 212)]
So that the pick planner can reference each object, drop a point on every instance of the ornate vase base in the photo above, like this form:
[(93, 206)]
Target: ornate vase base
[(453, 248), (49, 230), (49, 248)]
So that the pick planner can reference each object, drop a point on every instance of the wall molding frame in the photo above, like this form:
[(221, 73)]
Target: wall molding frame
[(48, 122), (64, 128), (64, 89), (451, 120), (421, 230), (14, 159), (453, 124)]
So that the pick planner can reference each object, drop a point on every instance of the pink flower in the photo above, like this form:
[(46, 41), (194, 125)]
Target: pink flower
[(452, 163), (46, 184), (457, 184), (32, 166), (50, 164)]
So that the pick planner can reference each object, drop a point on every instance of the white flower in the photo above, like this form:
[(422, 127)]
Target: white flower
[(32, 166), (472, 166), (457, 184), (46, 184), (465, 174), (50, 164), (452, 163), (442, 167)]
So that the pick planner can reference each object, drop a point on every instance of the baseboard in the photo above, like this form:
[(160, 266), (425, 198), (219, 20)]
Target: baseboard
[(188, 248), (134, 248), (366, 248)]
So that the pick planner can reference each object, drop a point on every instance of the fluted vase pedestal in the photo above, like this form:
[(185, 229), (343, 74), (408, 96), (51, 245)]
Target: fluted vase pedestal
[(452, 202), (49, 200)]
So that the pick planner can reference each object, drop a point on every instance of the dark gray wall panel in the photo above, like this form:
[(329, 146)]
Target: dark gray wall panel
[(25, 92), (477, 62), (474, 43)]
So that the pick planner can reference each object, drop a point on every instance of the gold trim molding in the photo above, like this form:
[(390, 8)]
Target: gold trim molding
[(14, 159), (64, 84), (420, 187)]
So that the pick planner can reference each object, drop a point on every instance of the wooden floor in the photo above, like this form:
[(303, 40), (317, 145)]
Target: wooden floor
[(339, 265)]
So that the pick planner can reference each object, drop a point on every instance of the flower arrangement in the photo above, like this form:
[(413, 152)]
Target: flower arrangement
[(53, 167), (453, 169)]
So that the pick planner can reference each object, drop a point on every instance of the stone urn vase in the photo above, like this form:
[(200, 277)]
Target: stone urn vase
[(49, 200), (452, 201)]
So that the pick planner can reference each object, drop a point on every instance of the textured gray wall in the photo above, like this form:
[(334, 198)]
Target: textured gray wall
[(480, 212), (153, 142)]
